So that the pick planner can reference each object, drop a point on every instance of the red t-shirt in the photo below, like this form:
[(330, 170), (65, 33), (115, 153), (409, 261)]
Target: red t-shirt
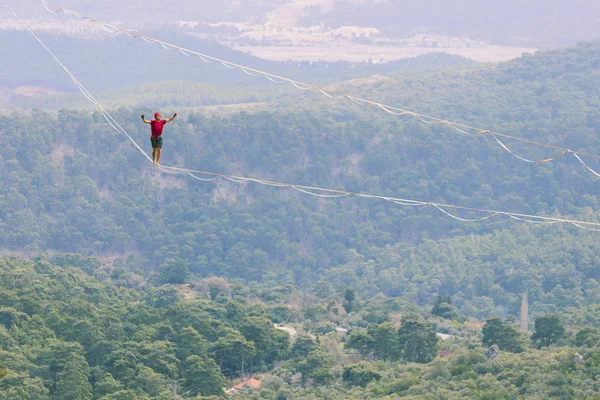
[(157, 128)]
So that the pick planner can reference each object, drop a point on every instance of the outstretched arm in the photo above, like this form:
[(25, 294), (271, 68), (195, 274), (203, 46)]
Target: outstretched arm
[(172, 118), (145, 120)]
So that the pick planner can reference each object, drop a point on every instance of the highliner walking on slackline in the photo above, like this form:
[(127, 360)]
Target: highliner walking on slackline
[(157, 125)]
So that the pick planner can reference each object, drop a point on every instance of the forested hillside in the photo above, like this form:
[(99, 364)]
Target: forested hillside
[(72, 185), (74, 328), (68, 335), (133, 283), (68, 194)]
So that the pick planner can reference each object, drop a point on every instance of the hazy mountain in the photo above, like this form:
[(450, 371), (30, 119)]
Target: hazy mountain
[(527, 22), (124, 62)]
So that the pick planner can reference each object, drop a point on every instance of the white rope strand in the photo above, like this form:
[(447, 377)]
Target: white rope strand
[(49, 10), (271, 79), (203, 179), (510, 151), (585, 165), (247, 72), (301, 87), (465, 219), (583, 227), (529, 220), (326, 196), (330, 96)]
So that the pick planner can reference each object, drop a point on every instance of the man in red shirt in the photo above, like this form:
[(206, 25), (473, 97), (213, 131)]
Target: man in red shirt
[(157, 128)]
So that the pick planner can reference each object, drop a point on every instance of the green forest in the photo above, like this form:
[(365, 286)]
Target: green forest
[(119, 281), (75, 328)]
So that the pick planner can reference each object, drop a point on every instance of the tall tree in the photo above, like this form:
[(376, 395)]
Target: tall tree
[(504, 335), (349, 297), (443, 308), (316, 367), (72, 382), (270, 343), (548, 329), (201, 376), (587, 337), (361, 341), (322, 289), (385, 341), (417, 339), (106, 385), (173, 271), (360, 374), (232, 352), (190, 343), (149, 381), (303, 345)]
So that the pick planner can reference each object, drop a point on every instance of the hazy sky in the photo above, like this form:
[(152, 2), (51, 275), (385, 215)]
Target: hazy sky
[(549, 22)]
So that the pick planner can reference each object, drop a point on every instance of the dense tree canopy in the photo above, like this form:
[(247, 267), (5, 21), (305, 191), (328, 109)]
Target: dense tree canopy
[(136, 284), (64, 190)]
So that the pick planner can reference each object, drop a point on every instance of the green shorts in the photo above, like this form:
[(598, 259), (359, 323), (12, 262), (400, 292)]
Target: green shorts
[(156, 143)]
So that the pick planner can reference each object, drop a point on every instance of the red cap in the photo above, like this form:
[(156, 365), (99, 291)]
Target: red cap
[(156, 115)]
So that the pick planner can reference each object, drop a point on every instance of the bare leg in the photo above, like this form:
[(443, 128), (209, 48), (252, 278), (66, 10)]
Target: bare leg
[(158, 156), (154, 156)]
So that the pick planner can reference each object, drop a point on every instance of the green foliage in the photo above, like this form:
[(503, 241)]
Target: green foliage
[(385, 345), (302, 347), (505, 336), (548, 329), (190, 343), (443, 308), (202, 376), (106, 385), (72, 382), (360, 374), (270, 344), (323, 289), (417, 340), (587, 337), (232, 351), (349, 297), (173, 272), (395, 387), (74, 319), (122, 395), (63, 190), (361, 341), (316, 367), (90, 339), (16, 386)]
